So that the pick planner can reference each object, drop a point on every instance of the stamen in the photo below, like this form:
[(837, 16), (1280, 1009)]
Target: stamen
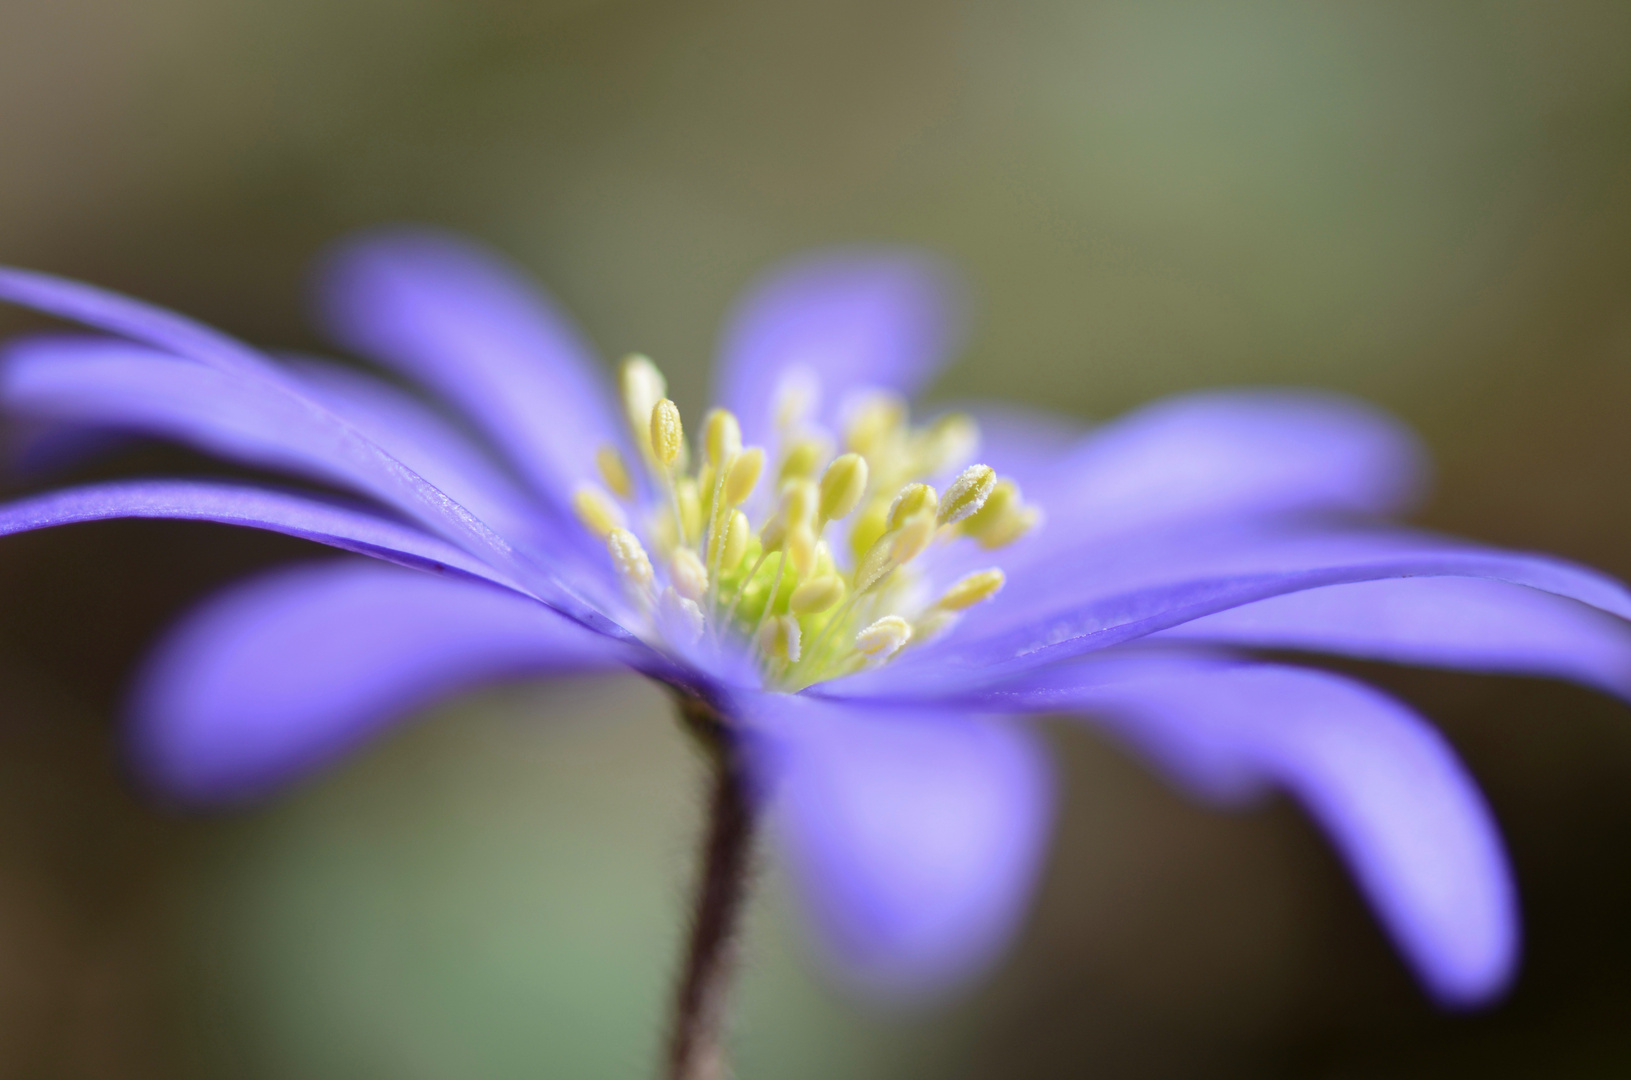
[(803, 459), (884, 638), (967, 493), (721, 436), (1003, 519), (949, 440), (780, 639), (798, 392), (731, 543), (613, 471), (682, 616), (913, 499), (743, 475), (667, 434), (842, 486), (641, 386), (688, 506), (971, 589), (629, 559), (801, 549), (874, 423), (596, 510), (817, 595), (690, 577)]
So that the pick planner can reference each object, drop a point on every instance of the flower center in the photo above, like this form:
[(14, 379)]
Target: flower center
[(818, 572)]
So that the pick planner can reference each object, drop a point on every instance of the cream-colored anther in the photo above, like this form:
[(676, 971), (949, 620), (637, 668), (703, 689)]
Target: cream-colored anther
[(875, 422), (733, 541), (641, 386), (798, 392), (1003, 500), (667, 433), (781, 639), (913, 499), (1013, 525), (682, 617), (816, 595), (842, 485), (911, 537), (869, 524), (689, 502), (721, 436), (951, 439), (801, 549), (971, 589), (800, 499), (690, 577), (629, 558), (803, 459), (599, 514), (884, 638), (967, 493), (743, 475), (613, 471), (932, 623)]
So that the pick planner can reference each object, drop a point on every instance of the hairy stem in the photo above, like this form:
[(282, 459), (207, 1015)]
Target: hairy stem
[(696, 1038)]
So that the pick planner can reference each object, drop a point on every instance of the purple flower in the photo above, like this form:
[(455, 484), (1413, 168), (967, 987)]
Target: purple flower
[(842, 618)]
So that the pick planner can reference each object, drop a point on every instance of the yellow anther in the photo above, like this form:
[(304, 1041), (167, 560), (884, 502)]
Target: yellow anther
[(732, 542), (884, 638), (798, 392), (690, 577), (803, 459), (689, 502), (1013, 525), (667, 434), (816, 595), (913, 499), (613, 471), (951, 439), (971, 589), (743, 475), (801, 549), (629, 558), (967, 493), (641, 386), (721, 436), (681, 616), (800, 498), (933, 623), (599, 514), (842, 485), (1003, 500), (780, 638), (875, 422), (910, 538), (869, 524)]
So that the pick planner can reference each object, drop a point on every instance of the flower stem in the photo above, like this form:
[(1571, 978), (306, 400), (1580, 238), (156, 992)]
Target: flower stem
[(696, 1037)]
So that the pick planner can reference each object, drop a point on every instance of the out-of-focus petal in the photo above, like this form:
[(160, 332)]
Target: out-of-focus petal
[(1388, 790), (250, 507), (915, 838), (466, 323), (277, 677), (852, 317), (1458, 623), (1147, 586)]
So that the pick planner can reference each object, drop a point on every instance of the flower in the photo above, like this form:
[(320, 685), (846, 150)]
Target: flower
[(865, 603)]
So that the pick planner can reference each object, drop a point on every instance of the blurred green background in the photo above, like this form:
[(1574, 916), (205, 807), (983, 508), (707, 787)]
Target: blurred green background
[(1427, 204)]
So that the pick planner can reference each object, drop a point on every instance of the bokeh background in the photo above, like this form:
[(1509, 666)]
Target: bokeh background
[(1428, 204)]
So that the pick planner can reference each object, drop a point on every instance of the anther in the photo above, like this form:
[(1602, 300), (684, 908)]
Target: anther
[(967, 494), (780, 638), (842, 486), (681, 615), (874, 422), (971, 589), (690, 577), (800, 499), (801, 549), (949, 440), (721, 436), (599, 514), (913, 499), (641, 386), (667, 434), (803, 459), (743, 475), (613, 471), (689, 503), (1013, 525), (733, 541), (884, 638), (629, 558), (817, 595)]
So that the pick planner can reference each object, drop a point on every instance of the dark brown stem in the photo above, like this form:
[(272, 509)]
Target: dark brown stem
[(696, 1039)]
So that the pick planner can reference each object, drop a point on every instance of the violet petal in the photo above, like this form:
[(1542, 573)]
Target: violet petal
[(276, 677)]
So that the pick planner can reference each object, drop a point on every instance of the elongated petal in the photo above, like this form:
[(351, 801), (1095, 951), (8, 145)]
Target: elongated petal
[(1148, 587), (277, 677), (1388, 790), (1458, 623), (466, 323), (915, 837), (852, 317), (250, 507)]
